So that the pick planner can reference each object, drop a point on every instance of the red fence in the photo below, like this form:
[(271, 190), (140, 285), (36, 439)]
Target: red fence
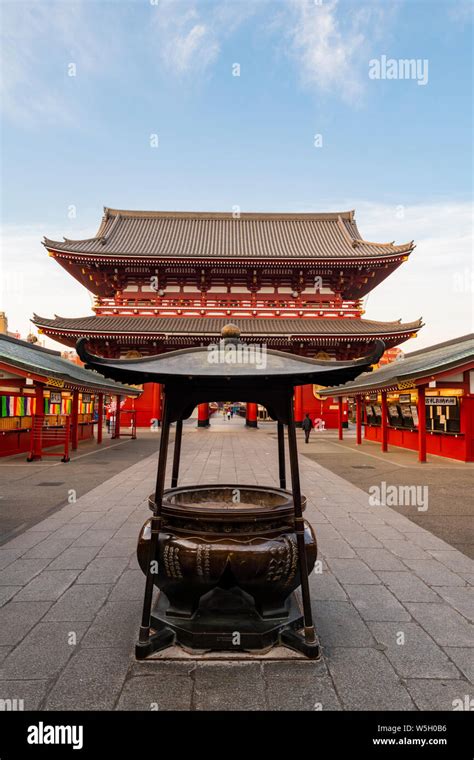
[(43, 435)]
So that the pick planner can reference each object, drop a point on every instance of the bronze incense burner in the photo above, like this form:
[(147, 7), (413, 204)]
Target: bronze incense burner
[(227, 559), (227, 547)]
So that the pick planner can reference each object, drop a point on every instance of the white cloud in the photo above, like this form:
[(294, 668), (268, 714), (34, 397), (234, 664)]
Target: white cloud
[(330, 45), (188, 34), (437, 281)]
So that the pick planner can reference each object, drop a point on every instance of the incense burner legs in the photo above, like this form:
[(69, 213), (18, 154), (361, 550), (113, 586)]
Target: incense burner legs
[(227, 574)]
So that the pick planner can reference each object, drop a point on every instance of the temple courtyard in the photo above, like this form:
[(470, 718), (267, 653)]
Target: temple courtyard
[(392, 595)]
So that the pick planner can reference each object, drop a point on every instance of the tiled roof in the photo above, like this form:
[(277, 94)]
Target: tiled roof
[(212, 326), (44, 362), (418, 364), (163, 234)]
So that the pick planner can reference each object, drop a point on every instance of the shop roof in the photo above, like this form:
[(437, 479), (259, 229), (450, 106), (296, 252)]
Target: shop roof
[(49, 364), (425, 363)]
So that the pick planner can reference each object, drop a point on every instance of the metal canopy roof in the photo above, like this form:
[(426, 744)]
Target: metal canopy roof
[(230, 363)]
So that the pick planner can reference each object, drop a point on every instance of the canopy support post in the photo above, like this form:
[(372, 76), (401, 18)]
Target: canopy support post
[(309, 645), (147, 644), (177, 453), (281, 454)]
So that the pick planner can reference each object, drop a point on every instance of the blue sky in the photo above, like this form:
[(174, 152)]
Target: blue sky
[(398, 152)]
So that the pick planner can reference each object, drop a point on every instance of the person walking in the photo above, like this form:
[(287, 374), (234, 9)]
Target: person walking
[(307, 426)]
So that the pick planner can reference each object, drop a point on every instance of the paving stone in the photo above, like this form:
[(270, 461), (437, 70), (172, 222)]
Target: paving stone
[(94, 538), (463, 657), (405, 549), (360, 539), (434, 573), (244, 688), (376, 603), (31, 692), (17, 618), (385, 533), (91, 680), (426, 540), (352, 571), (119, 547), (80, 602), (70, 531), (43, 653), (50, 548), (25, 540), (439, 695), (116, 625), (462, 599), (407, 587), (418, 656), (325, 586), (380, 559), (367, 680), (103, 570), (89, 518), (454, 560), (446, 626), (21, 571), (339, 548), (299, 686), (74, 558), (339, 624), (327, 533), (6, 593), (48, 586), (4, 651), (167, 686), (131, 585), (7, 556)]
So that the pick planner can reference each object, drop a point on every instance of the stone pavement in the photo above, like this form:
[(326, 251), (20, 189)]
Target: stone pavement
[(392, 605), (449, 483)]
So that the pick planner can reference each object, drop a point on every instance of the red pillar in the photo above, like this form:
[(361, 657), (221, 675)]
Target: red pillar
[(156, 402), (251, 415), (384, 421), (100, 417), (467, 419), (298, 404), (203, 415), (75, 420), (359, 420), (39, 415), (117, 417), (421, 424), (339, 417)]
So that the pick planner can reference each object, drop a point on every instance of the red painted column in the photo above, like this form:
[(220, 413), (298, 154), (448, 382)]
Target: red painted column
[(339, 417), (421, 424), (100, 417), (156, 402), (117, 417), (359, 420), (384, 421), (467, 419), (251, 415), (298, 404), (203, 415), (39, 415), (75, 420)]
